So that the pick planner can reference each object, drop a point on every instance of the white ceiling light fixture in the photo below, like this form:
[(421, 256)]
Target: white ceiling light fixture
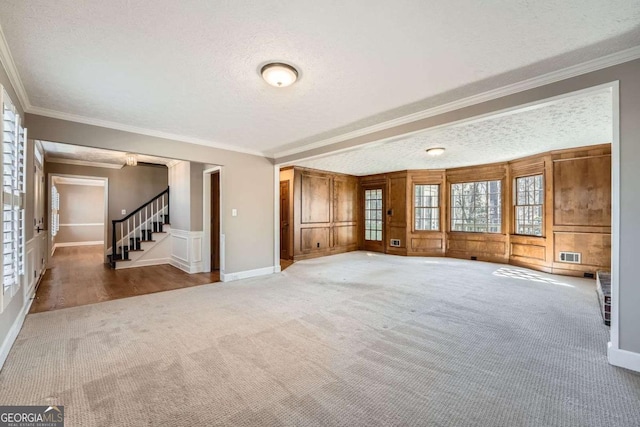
[(132, 159), (437, 151), (279, 74)]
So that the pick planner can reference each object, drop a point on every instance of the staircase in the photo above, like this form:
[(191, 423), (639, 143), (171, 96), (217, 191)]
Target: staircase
[(142, 232)]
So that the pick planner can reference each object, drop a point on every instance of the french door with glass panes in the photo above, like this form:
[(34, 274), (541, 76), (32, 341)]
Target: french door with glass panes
[(373, 239)]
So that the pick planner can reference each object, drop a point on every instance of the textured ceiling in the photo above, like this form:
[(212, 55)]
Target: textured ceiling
[(570, 122), (191, 67), (95, 155)]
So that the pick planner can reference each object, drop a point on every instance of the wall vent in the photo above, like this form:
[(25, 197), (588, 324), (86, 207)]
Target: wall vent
[(395, 243), (573, 257)]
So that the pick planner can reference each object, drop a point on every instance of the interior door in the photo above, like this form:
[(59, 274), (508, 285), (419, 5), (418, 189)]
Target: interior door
[(373, 229), (284, 220), (39, 223), (215, 221)]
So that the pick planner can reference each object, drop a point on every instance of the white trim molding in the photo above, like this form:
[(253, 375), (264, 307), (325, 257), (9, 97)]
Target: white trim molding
[(545, 79), (144, 263), (12, 72), (186, 250), (623, 358), (68, 244), (230, 277), (11, 337), (83, 163)]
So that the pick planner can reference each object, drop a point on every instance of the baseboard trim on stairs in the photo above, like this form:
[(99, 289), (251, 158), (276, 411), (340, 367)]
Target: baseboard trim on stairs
[(144, 263), (15, 329), (230, 277), (623, 358)]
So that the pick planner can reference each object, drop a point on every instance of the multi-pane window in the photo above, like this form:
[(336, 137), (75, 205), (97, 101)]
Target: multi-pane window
[(13, 188), (529, 205), (476, 207), (373, 215), (426, 207)]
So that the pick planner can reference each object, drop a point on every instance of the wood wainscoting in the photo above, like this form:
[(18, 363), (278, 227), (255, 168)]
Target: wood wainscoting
[(325, 213), (329, 208)]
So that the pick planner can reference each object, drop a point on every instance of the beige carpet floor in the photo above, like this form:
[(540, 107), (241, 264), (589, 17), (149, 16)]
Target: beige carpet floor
[(351, 340)]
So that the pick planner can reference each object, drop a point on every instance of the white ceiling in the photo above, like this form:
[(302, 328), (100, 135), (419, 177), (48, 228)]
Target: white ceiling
[(56, 151), (190, 68), (565, 123)]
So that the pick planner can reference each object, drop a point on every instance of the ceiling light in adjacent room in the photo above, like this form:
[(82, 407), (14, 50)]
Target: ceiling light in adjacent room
[(435, 151), (279, 75), (132, 159)]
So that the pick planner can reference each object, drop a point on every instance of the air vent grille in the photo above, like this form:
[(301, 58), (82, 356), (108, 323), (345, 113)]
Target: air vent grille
[(395, 243), (573, 257)]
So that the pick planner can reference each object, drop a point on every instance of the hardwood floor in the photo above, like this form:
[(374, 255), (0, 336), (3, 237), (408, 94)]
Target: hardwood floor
[(284, 263), (78, 276)]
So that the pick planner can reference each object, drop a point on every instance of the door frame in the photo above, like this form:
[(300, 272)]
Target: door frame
[(50, 176), (206, 219), (289, 236), (374, 185)]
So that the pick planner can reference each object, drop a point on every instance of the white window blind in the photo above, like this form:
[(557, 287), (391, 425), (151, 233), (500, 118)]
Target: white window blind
[(13, 179), (55, 208)]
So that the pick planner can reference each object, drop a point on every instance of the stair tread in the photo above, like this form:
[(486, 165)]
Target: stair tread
[(147, 241)]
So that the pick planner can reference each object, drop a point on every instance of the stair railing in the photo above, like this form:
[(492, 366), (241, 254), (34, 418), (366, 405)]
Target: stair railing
[(138, 226)]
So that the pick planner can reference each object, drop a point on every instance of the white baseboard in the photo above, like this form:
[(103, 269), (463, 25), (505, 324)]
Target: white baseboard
[(142, 263), (230, 277), (183, 265), (624, 359), (15, 330), (67, 244)]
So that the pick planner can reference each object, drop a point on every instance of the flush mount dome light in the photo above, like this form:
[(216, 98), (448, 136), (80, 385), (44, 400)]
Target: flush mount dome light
[(435, 151), (279, 75)]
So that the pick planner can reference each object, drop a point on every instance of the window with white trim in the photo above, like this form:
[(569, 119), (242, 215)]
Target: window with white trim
[(426, 207), (529, 205), (13, 193), (476, 207)]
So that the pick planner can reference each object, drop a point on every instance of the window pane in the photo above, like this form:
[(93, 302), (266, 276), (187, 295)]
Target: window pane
[(426, 206), (476, 207), (529, 205), (373, 215)]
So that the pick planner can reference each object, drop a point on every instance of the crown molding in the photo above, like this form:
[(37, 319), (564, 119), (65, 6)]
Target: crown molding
[(83, 163), (12, 72), (134, 129), (173, 162), (593, 65), (545, 79)]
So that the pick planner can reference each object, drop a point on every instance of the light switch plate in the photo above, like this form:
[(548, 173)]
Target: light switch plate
[(124, 211), (234, 212)]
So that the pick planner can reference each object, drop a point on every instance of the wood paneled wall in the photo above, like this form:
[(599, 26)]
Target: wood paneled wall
[(328, 208), (577, 212), (420, 242), (325, 213), (492, 247)]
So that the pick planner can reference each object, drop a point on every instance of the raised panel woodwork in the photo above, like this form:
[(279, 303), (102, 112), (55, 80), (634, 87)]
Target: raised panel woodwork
[(346, 235), (316, 198), (528, 251), (326, 212), (314, 239), (345, 196), (477, 246), (582, 191), (425, 244), (594, 247), (397, 202)]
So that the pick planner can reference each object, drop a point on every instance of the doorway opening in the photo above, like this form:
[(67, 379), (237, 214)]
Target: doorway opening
[(285, 197), (213, 238), (374, 218)]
